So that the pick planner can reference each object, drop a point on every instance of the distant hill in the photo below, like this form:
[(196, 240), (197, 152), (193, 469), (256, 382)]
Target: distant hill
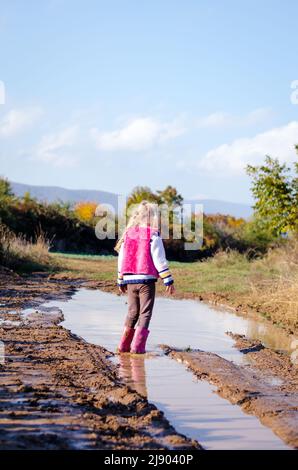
[(214, 206), (56, 193)]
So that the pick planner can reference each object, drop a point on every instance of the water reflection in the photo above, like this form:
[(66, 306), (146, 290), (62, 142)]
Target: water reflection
[(270, 335), (132, 371)]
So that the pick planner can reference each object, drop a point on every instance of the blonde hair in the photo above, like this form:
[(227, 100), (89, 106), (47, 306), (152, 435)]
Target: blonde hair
[(144, 214)]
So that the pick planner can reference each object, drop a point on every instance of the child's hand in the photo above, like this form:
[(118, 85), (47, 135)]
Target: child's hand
[(123, 288), (170, 289)]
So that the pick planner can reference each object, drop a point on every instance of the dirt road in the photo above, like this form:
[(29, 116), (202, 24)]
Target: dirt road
[(267, 386), (59, 392)]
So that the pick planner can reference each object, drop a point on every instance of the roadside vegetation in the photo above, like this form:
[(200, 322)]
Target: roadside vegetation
[(24, 256)]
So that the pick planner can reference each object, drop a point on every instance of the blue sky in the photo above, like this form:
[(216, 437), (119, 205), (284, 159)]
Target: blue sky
[(113, 94)]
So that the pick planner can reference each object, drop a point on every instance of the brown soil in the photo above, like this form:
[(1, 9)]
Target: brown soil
[(268, 389), (59, 392), (275, 366)]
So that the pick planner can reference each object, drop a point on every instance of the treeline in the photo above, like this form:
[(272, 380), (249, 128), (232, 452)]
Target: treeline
[(57, 222), (71, 229)]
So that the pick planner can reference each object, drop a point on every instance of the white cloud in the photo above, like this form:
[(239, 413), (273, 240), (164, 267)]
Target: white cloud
[(217, 119), (278, 142), (17, 120), (138, 134), (53, 147), (221, 119)]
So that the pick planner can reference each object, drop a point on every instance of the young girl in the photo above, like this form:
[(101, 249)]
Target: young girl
[(141, 262)]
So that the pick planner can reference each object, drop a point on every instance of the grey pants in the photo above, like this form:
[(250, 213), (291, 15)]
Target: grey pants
[(140, 304)]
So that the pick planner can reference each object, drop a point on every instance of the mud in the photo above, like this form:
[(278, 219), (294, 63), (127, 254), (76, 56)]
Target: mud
[(59, 392), (275, 403), (275, 366)]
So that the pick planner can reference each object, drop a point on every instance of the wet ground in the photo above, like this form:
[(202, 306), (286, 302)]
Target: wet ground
[(191, 405), (59, 392)]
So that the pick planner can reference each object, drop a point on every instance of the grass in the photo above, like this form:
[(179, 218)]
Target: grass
[(276, 294), (221, 273), (84, 256), (225, 272), (24, 256), (94, 267)]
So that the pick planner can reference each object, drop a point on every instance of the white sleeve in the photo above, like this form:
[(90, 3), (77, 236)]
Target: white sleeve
[(120, 258), (159, 259)]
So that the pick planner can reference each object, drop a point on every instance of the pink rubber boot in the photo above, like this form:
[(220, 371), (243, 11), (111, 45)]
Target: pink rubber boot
[(126, 339), (139, 341)]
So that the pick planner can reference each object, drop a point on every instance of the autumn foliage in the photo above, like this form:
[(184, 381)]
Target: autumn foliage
[(85, 211)]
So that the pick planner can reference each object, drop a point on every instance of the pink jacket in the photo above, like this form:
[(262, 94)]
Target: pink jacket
[(137, 257)]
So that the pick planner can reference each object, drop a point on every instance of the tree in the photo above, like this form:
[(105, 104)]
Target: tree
[(27, 198), (5, 188), (141, 193), (275, 190), (170, 196), (85, 211)]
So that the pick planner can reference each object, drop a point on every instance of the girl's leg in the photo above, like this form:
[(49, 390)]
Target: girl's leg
[(147, 296), (131, 319), (133, 305)]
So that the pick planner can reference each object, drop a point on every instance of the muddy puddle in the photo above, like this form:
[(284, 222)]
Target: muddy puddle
[(190, 405)]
